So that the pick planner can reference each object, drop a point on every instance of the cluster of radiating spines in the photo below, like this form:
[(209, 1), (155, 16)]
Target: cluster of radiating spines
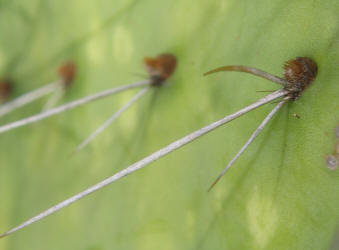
[(299, 74), (292, 89), (66, 72), (160, 69), (332, 160)]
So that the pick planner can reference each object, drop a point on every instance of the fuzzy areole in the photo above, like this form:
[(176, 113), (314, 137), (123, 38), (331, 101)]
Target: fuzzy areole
[(67, 73), (299, 74), (5, 90), (160, 68)]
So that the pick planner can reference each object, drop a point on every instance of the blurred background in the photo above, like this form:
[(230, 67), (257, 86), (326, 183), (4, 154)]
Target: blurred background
[(279, 195)]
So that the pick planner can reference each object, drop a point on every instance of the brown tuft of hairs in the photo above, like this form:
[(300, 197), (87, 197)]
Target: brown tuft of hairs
[(6, 89), (160, 68), (299, 74), (67, 72)]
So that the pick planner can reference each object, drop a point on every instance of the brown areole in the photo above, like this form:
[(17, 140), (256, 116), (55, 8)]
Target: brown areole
[(299, 74), (160, 68)]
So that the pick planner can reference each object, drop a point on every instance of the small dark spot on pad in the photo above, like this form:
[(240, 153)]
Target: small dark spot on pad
[(332, 162)]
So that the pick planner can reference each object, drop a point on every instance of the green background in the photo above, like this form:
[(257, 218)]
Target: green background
[(279, 195)]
